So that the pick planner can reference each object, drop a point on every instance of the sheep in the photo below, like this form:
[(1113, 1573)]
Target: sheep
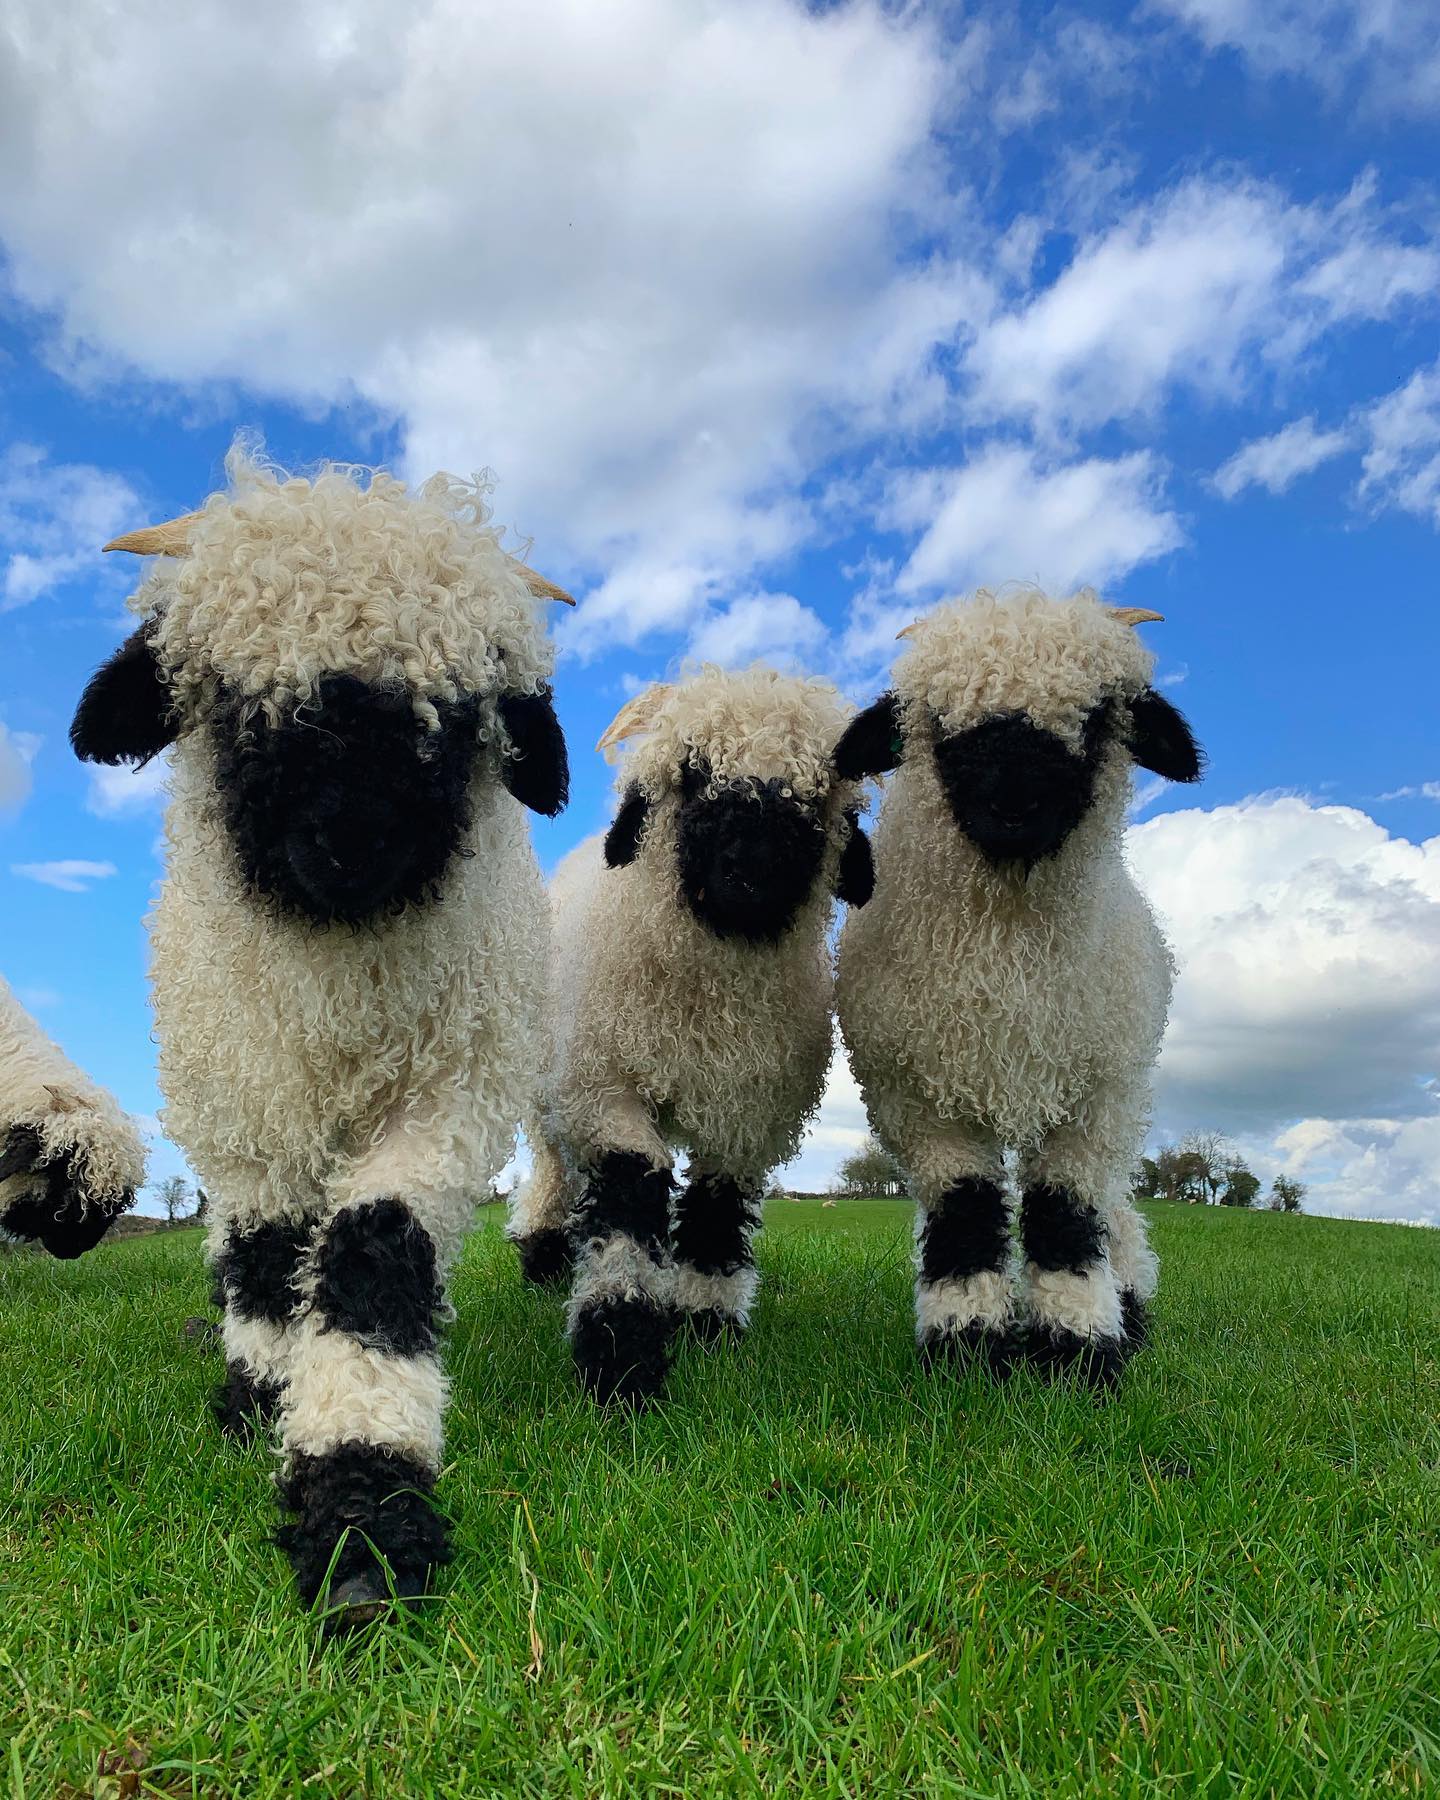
[(70, 1160), (1008, 987), (348, 955), (692, 1010)]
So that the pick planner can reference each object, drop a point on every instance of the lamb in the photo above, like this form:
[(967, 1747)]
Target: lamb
[(70, 1160), (692, 1010), (1008, 987), (348, 954)]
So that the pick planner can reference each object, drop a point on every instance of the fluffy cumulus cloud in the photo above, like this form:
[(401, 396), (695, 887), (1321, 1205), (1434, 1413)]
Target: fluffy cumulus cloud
[(71, 875), (1309, 995), (124, 792), (1276, 461), (53, 519), (643, 259), (17, 752), (1391, 48)]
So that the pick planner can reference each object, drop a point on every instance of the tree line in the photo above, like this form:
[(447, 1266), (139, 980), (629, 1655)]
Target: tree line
[(1203, 1169)]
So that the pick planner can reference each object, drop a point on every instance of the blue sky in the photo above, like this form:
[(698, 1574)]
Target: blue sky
[(776, 325)]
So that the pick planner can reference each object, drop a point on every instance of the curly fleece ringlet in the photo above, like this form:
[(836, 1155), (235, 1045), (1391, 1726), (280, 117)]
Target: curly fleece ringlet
[(287, 579)]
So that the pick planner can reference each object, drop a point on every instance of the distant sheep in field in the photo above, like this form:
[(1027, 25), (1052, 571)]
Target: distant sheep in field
[(349, 953), (70, 1160), (692, 1009), (1008, 987)]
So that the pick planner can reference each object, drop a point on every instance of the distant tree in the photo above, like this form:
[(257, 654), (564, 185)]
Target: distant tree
[(1286, 1193), (1209, 1155), (1145, 1179), (1242, 1185), (871, 1170), (202, 1206), (174, 1195)]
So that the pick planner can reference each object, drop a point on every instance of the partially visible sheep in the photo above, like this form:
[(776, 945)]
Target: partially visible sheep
[(1008, 987), (70, 1160), (349, 954), (691, 1006)]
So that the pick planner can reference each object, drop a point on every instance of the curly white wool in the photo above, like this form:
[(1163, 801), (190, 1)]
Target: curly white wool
[(74, 1117)]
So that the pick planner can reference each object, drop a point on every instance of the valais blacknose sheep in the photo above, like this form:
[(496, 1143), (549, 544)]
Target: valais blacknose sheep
[(70, 1160), (692, 1010), (1007, 987), (349, 953)]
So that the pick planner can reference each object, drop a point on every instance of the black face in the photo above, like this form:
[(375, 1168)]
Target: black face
[(1017, 791), (349, 808), (748, 856)]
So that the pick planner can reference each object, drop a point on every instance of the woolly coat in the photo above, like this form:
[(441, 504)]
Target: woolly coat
[(984, 1008), (75, 1118)]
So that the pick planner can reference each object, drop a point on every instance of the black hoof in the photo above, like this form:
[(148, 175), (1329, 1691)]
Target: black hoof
[(711, 1325), (365, 1532), (546, 1258), (204, 1334), (1058, 1353), (244, 1405), (1135, 1315), (973, 1347), (622, 1350)]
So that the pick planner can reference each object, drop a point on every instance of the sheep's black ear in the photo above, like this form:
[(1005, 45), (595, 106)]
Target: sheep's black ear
[(538, 774), (1161, 740), (855, 882), (125, 714), (871, 743), (622, 840)]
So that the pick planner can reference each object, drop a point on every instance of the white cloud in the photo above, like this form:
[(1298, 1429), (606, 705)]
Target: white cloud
[(645, 260), (1275, 462), (123, 792), (71, 876), (1389, 45), (1424, 790), (1401, 467), (17, 752), (1198, 288), (774, 628), (1309, 949), (1006, 516), (53, 519)]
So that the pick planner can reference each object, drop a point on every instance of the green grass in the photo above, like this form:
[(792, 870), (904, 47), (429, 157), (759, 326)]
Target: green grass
[(815, 1571)]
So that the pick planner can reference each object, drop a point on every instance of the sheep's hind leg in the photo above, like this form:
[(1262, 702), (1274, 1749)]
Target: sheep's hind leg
[(539, 1224), (621, 1316), (362, 1420), (964, 1294), (716, 1217)]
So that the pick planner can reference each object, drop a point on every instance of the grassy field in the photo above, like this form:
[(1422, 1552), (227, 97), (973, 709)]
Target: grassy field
[(816, 1571)]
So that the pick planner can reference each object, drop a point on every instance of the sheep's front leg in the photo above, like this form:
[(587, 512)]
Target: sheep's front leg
[(964, 1293), (539, 1224), (716, 1217), (621, 1316), (1073, 1303)]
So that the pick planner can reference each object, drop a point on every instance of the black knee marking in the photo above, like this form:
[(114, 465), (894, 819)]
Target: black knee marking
[(255, 1272), (627, 1195), (622, 1349), (714, 1217), (1059, 1231), (364, 1529), (376, 1278), (244, 1402), (966, 1232), (546, 1257)]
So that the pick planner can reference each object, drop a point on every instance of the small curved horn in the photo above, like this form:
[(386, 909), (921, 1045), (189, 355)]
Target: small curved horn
[(540, 587), (909, 630), (170, 539), (1135, 615), (635, 714)]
